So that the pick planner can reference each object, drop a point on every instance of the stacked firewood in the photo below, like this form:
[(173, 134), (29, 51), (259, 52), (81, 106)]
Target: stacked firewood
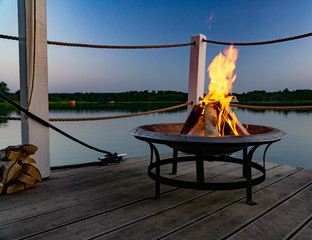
[(203, 120), (16, 169)]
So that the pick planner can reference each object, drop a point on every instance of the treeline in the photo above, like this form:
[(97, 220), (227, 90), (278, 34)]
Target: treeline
[(285, 97), (132, 96), (300, 97)]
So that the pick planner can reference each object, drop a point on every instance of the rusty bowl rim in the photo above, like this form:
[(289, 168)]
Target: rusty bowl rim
[(160, 137)]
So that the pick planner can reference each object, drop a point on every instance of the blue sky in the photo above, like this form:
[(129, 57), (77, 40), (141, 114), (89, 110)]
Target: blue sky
[(271, 67)]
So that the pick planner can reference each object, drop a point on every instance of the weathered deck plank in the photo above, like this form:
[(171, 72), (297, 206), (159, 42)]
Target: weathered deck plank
[(66, 216), (185, 214), (285, 217), (238, 215), (113, 203)]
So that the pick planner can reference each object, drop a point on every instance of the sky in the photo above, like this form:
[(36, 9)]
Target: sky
[(115, 22)]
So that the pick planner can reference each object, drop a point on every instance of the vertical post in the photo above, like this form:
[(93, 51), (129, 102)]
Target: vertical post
[(197, 70), (32, 29)]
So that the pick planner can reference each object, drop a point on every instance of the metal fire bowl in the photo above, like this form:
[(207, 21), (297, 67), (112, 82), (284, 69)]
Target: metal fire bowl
[(168, 134)]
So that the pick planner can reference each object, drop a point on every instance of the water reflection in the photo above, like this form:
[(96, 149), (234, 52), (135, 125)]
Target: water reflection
[(113, 135), (7, 110), (112, 107)]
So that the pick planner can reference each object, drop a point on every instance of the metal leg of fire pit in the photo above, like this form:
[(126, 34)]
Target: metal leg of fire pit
[(200, 182), (157, 183), (245, 151), (200, 169), (175, 162), (247, 171)]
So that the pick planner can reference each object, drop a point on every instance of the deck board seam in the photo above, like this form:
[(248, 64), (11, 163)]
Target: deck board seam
[(131, 203), (108, 196), (224, 207), (84, 218), (151, 215), (77, 204), (299, 229), (270, 209), (145, 217), (76, 192), (94, 199)]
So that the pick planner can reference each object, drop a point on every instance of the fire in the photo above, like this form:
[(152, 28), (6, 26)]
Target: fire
[(222, 77)]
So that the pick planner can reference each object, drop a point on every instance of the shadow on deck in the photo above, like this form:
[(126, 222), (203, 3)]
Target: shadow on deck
[(112, 202)]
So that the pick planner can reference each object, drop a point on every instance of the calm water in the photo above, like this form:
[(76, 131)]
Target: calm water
[(113, 135)]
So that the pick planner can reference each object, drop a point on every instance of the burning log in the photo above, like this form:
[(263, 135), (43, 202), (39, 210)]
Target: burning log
[(192, 119), (211, 120), (241, 129), (199, 123), (198, 128), (16, 171)]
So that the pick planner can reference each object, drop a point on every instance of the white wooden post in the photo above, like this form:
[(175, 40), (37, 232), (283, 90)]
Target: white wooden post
[(197, 71), (32, 29)]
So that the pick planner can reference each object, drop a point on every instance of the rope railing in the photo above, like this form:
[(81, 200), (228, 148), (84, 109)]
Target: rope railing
[(166, 45), (107, 117), (260, 43), (285, 108), (118, 47), (105, 46)]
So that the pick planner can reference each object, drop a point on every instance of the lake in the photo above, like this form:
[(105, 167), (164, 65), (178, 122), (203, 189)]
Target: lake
[(113, 135)]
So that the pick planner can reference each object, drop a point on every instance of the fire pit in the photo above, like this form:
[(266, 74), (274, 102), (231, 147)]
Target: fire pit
[(207, 148), (211, 132)]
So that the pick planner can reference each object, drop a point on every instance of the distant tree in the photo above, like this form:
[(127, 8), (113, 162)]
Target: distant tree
[(4, 88)]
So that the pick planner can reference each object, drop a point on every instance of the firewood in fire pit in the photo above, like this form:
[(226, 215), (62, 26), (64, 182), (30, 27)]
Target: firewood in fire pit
[(198, 129), (192, 119), (211, 120), (240, 128)]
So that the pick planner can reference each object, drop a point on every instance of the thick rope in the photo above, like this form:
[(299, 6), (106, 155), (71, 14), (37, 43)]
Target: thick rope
[(271, 107), (118, 47), (164, 110), (45, 123), (104, 46), (168, 45), (107, 117), (260, 43), (8, 37)]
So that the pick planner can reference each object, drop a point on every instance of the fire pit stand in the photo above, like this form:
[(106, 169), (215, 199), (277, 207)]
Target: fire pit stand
[(206, 149)]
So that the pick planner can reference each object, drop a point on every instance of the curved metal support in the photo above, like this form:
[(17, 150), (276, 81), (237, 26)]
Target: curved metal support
[(206, 185), (200, 181), (248, 159), (157, 174), (245, 152), (265, 151), (151, 159)]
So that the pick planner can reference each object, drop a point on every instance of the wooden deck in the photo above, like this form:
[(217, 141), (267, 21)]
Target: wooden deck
[(112, 202)]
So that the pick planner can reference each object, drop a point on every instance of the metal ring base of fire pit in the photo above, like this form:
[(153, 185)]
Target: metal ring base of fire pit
[(208, 148), (200, 183)]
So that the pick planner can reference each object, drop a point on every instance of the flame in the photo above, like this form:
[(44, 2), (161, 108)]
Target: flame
[(222, 77)]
